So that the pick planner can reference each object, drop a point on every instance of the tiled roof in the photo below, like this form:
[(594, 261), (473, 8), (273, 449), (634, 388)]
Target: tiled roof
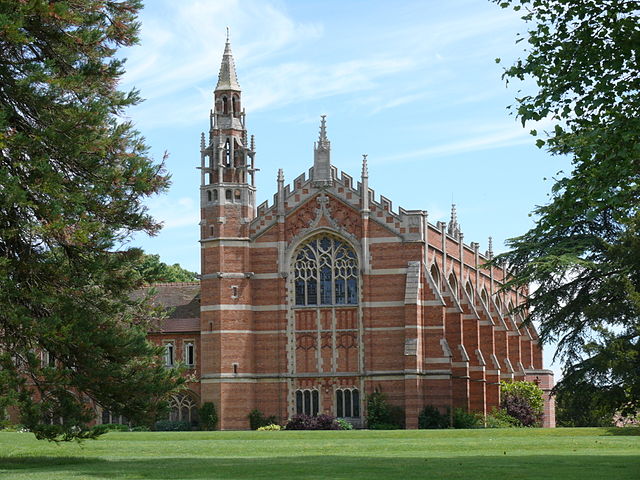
[(180, 325), (181, 301)]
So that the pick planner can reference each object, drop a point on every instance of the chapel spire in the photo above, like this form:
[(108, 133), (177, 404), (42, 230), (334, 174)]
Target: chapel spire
[(322, 157), (227, 78), (454, 227)]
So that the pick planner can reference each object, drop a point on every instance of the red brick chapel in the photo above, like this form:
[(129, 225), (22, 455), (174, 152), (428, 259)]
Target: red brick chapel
[(308, 303)]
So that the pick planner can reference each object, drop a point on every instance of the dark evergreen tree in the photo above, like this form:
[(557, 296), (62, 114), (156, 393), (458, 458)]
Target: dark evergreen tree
[(73, 176), (153, 270), (583, 253)]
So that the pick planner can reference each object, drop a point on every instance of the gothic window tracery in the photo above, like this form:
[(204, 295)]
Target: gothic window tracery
[(183, 408), (326, 273)]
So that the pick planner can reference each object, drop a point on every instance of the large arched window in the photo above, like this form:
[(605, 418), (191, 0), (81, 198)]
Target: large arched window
[(326, 273)]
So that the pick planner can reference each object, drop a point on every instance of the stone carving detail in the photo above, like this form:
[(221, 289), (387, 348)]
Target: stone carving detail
[(345, 217), (301, 220), (338, 217)]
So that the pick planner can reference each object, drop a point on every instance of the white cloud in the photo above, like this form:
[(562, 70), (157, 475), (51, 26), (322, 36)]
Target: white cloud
[(293, 82), (487, 137)]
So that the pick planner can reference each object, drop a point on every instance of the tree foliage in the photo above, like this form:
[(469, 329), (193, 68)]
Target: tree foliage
[(582, 404), (522, 401), (153, 270), (73, 176), (584, 251)]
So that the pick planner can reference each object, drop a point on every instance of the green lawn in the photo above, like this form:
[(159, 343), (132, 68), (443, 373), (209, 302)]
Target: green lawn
[(588, 453)]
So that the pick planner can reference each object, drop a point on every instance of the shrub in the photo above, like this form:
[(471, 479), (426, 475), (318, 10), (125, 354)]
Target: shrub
[(208, 416), (520, 409), (379, 412), (257, 419), (306, 422), (140, 428), (523, 401), (273, 427), (527, 390), (430, 417), (464, 419), (344, 425), (171, 426), (499, 418)]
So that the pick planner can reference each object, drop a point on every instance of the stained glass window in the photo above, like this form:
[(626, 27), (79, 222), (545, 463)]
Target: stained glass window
[(326, 273)]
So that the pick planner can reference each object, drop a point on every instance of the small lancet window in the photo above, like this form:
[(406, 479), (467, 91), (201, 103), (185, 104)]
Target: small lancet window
[(237, 195), (168, 354), (435, 274), (499, 304), (453, 283), (189, 354), (227, 153), (484, 297), (209, 196), (225, 105), (348, 403), (215, 195), (227, 195), (307, 402), (469, 288)]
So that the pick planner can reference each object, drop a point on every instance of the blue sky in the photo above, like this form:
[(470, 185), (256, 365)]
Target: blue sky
[(414, 85)]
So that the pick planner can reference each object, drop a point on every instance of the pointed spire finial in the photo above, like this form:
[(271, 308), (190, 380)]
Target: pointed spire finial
[(454, 227), (322, 139), (280, 176), (322, 175), (227, 78), (253, 143), (202, 140), (365, 168), (490, 248)]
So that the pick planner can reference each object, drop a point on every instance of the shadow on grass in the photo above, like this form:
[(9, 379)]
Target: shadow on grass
[(321, 467), (623, 431)]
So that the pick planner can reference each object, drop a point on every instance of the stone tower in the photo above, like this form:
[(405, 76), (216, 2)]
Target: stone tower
[(227, 201)]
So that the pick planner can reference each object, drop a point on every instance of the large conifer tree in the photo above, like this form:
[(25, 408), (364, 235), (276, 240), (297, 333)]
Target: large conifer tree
[(73, 175), (584, 250)]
